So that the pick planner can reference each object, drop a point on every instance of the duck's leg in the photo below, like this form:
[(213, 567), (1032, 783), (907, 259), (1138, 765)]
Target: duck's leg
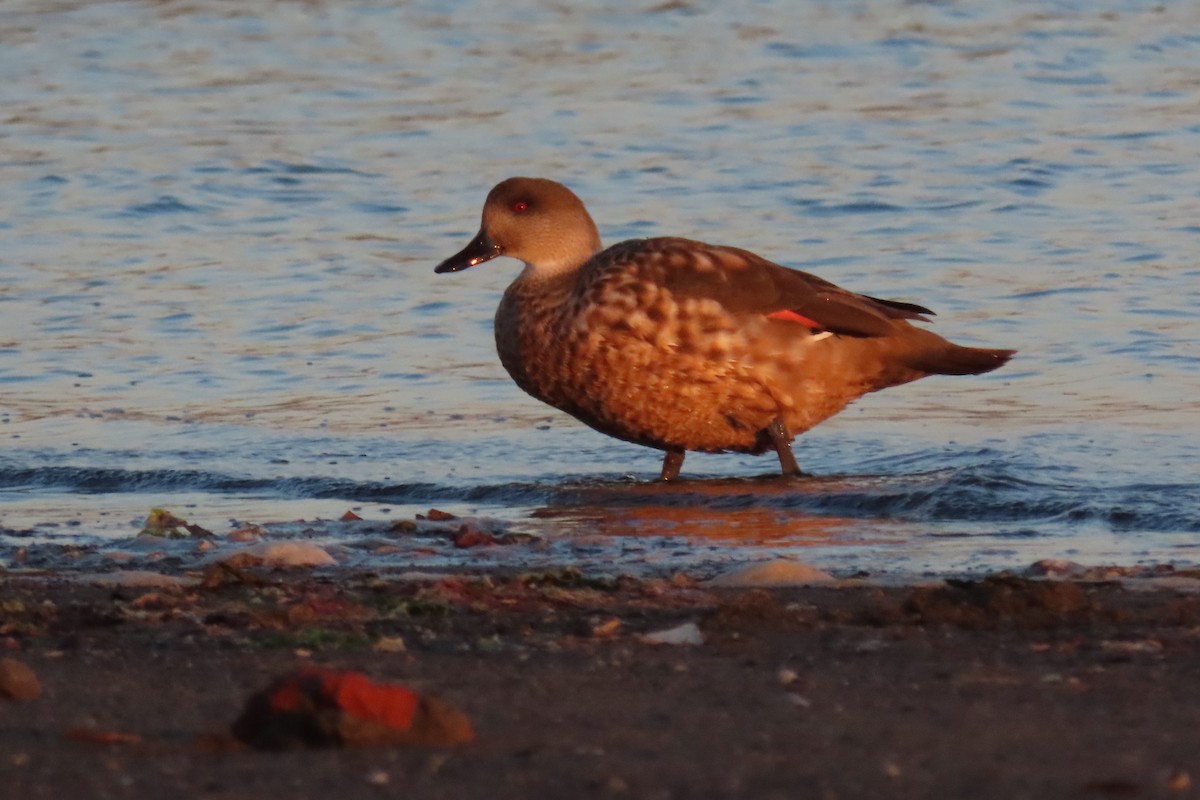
[(781, 438), (671, 464)]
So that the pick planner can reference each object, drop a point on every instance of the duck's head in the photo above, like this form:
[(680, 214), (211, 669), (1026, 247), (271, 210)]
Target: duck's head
[(535, 220)]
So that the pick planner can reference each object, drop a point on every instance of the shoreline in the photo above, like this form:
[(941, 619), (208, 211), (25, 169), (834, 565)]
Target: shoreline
[(997, 687)]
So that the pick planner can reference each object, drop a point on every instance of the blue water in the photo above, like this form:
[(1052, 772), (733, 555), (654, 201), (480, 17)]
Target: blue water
[(220, 221)]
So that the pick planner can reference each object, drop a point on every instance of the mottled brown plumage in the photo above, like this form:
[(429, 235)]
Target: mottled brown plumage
[(681, 345)]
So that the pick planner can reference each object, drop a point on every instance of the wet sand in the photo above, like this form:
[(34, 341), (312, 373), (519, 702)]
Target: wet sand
[(998, 688)]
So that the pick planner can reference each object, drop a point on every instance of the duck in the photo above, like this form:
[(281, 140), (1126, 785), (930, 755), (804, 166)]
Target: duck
[(683, 346)]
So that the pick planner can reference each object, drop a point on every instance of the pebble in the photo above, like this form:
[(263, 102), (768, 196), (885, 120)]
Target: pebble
[(291, 554), (772, 573), (1179, 781), (687, 633), (604, 628), (137, 579), (1055, 568), (17, 681), (389, 644)]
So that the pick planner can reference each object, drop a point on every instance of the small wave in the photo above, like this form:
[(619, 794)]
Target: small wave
[(91, 480), (296, 168), (166, 204), (821, 209), (972, 494)]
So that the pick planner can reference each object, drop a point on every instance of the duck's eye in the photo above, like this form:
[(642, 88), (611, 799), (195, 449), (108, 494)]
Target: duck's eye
[(520, 207)]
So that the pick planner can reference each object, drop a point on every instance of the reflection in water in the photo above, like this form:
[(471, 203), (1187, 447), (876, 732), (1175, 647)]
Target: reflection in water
[(720, 511)]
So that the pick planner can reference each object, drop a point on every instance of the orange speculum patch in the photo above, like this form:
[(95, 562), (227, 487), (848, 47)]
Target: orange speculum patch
[(791, 316)]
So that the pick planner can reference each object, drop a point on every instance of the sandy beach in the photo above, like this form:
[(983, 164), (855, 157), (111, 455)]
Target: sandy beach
[(1003, 687)]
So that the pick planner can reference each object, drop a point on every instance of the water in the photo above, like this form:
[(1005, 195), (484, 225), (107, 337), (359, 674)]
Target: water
[(219, 224)]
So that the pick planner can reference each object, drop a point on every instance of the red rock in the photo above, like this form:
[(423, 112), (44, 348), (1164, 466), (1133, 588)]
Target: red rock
[(318, 707), (470, 536)]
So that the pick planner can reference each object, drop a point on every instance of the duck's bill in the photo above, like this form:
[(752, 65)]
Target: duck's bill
[(480, 249)]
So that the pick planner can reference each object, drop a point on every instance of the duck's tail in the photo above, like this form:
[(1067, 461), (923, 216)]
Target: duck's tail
[(954, 359)]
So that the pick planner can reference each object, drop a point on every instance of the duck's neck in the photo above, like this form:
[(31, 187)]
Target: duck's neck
[(549, 271), (567, 256), (556, 268)]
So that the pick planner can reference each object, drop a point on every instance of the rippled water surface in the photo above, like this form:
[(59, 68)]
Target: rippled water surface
[(220, 221)]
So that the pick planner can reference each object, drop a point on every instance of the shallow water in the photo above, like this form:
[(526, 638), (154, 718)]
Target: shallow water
[(220, 222)]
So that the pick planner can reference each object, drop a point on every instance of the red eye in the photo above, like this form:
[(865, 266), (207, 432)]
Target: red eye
[(520, 207)]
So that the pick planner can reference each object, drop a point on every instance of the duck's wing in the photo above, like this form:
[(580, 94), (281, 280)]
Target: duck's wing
[(748, 284)]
